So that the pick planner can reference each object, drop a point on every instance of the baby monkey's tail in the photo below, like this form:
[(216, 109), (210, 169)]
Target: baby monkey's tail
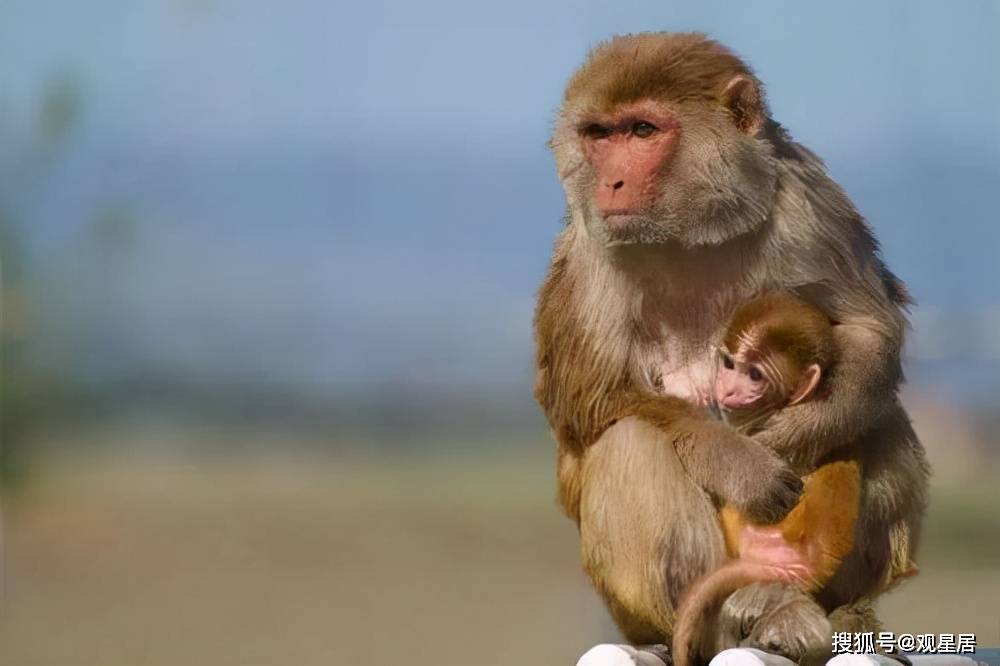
[(705, 597)]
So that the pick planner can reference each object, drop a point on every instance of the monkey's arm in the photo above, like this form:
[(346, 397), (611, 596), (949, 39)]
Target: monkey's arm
[(568, 474), (729, 465), (860, 389)]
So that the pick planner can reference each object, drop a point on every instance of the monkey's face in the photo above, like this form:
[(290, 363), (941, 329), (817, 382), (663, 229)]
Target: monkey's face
[(656, 144), (652, 172), (746, 384), (628, 152)]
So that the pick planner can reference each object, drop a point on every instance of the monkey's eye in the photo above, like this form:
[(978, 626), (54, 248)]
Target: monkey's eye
[(727, 361), (595, 131), (643, 129), (755, 374)]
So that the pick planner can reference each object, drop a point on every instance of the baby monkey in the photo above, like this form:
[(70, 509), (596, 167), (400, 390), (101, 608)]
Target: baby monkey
[(776, 350), (775, 353)]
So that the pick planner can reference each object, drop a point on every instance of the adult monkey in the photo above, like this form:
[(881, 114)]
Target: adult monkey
[(685, 199)]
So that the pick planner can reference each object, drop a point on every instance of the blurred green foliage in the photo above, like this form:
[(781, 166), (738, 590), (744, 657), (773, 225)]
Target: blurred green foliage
[(58, 115), (12, 379)]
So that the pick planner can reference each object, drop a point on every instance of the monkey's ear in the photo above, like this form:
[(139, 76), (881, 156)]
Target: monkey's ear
[(743, 98), (807, 384)]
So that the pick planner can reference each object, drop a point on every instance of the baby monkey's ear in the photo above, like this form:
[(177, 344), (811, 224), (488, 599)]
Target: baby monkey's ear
[(807, 384)]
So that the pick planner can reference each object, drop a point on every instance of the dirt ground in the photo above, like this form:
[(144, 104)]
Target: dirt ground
[(306, 559)]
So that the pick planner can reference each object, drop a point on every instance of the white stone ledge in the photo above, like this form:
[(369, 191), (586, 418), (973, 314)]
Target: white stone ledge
[(608, 654)]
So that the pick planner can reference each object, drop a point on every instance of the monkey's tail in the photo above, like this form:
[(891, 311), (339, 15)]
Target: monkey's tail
[(705, 598)]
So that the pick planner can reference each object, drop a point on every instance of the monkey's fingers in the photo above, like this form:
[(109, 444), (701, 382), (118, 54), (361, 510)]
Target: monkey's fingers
[(776, 495)]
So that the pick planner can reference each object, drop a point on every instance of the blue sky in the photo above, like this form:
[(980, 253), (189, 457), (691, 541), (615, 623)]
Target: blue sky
[(348, 192)]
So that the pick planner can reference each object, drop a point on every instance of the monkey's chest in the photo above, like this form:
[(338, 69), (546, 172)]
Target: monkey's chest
[(681, 359), (688, 376)]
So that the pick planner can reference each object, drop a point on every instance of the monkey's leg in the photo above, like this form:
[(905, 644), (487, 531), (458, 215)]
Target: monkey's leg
[(776, 618), (857, 617), (893, 502), (860, 617), (646, 530), (741, 612)]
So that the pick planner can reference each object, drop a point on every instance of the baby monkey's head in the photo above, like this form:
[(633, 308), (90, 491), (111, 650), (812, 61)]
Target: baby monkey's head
[(775, 352)]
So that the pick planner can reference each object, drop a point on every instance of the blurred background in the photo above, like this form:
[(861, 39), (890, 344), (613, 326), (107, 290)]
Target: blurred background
[(268, 276)]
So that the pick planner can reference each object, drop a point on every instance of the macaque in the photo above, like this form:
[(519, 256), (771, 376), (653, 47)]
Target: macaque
[(775, 351), (685, 200), (774, 354)]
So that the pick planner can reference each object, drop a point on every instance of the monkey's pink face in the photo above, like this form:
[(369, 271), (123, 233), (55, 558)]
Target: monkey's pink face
[(740, 385), (628, 151)]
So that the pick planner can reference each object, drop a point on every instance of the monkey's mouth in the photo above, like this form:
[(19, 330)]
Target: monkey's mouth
[(623, 219)]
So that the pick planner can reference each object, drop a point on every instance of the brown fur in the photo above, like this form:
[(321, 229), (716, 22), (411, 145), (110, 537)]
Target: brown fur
[(787, 325), (822, 523), (688, 68), (793, 335), (742, 210)]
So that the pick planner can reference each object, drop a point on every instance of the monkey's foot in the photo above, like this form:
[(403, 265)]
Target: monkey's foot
[(749, 657), (607, 654)]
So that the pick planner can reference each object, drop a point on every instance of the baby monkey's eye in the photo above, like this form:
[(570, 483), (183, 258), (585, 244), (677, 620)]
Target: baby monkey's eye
[(643, 129), (727, 361), (755, 374)]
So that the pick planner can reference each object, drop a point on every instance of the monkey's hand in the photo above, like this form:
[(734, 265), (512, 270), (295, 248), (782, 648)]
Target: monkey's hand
[(862, 388), (765, 489), (731, 466)]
